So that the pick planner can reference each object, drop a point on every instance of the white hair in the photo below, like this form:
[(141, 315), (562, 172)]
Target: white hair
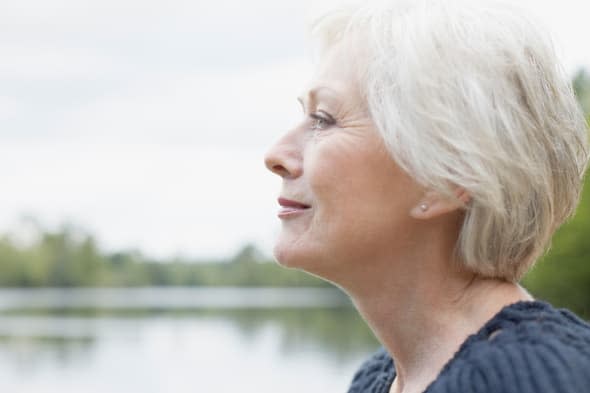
[(471, 95)]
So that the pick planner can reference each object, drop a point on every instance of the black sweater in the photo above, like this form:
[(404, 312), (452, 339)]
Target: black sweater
[(528, 347)]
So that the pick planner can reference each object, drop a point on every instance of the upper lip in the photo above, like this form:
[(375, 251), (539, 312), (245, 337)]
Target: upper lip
[(291, 203)]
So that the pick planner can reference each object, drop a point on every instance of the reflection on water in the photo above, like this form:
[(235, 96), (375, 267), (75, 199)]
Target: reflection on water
[(118, 350), (28, 353), (340, 333)]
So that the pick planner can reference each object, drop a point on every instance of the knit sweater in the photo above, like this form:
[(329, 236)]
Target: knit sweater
[(528, 347)]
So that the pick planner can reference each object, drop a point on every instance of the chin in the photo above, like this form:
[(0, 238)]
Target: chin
[(307, 259), (289, 256)]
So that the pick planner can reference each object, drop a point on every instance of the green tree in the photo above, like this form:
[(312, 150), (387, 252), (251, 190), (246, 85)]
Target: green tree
[(581, 85), (562, 276)]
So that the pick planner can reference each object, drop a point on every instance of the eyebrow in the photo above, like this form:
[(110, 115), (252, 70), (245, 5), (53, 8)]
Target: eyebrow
[(313, 93)]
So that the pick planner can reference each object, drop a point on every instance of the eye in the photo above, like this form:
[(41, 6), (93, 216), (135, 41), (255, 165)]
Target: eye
[(321, 121)]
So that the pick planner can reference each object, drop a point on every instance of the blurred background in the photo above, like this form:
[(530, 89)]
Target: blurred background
[(136, 216)]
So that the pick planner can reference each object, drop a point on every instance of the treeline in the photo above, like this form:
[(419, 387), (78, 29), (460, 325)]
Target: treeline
[(68, 257)]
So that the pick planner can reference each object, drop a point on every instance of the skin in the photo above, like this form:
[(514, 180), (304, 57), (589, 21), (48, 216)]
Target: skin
[(365, 231)]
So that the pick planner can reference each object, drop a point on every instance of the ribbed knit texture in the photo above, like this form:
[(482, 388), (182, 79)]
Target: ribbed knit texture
[(528, 347)]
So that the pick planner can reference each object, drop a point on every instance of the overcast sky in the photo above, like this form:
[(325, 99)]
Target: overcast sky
[(145, 122)]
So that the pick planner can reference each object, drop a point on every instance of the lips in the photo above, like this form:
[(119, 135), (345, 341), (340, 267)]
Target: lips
[(290, 208), (289, 203)]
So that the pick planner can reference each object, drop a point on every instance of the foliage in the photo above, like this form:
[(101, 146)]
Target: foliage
[(562, 276), (69, 257), (581, 85)]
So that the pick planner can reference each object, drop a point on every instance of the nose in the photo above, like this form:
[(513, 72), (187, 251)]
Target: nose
[(284, 158)]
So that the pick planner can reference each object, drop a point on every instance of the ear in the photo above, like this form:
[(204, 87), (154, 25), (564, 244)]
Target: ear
[(434, 204)]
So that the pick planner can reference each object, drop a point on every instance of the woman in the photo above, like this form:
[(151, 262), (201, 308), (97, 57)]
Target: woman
[(441, 147)]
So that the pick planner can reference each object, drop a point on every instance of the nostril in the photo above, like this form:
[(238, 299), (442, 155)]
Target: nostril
[(270, 161), (280, 170), (283, 161), (275, 163)]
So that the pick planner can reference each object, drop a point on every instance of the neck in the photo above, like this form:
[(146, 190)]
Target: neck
[(423, 307)]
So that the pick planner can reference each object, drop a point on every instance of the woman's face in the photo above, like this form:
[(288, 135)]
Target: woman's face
[(353, 201)]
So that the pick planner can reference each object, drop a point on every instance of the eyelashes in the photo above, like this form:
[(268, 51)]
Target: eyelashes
[(321, 120), (318, 120)]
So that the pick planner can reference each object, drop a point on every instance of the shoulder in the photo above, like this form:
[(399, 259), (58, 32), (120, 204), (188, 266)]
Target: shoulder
[(375, 375), (527, 347)]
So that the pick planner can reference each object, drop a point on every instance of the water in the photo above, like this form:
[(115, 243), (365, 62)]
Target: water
[(145, 341), (171, 298)]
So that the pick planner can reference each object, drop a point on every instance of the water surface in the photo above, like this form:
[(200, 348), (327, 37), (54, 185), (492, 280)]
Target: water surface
[(167, 346)]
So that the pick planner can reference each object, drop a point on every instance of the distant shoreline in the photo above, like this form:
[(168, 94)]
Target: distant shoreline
[(170, 298)]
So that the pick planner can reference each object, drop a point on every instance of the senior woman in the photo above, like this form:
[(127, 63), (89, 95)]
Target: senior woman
[(441, 147)]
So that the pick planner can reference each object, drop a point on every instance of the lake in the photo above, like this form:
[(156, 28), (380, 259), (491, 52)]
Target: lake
[(179, 340)]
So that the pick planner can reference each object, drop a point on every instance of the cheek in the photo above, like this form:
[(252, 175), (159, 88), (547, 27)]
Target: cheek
[(363, 198), (328, 165), (354, 176)]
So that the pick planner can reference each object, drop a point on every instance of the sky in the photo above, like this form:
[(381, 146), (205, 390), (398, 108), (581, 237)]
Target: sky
[(146, 122)]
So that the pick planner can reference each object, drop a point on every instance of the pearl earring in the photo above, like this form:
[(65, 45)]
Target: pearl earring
[(424, 207)]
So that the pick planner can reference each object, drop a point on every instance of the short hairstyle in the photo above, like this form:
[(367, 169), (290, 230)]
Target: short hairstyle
[(470, 94)]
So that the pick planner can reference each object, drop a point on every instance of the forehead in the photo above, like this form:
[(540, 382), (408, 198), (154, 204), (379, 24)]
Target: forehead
[(334, 77)]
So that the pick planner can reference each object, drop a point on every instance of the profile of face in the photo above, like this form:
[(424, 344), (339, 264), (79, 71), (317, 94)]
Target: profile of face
[(344, 201)]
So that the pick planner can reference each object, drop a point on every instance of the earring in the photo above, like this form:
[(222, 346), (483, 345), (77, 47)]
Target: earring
[(424, 207)]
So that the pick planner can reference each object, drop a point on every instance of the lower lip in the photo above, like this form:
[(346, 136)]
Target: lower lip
[(287, 212)]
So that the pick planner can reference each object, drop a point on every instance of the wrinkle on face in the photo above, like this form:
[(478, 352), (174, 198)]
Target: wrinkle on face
[(359, 197)]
